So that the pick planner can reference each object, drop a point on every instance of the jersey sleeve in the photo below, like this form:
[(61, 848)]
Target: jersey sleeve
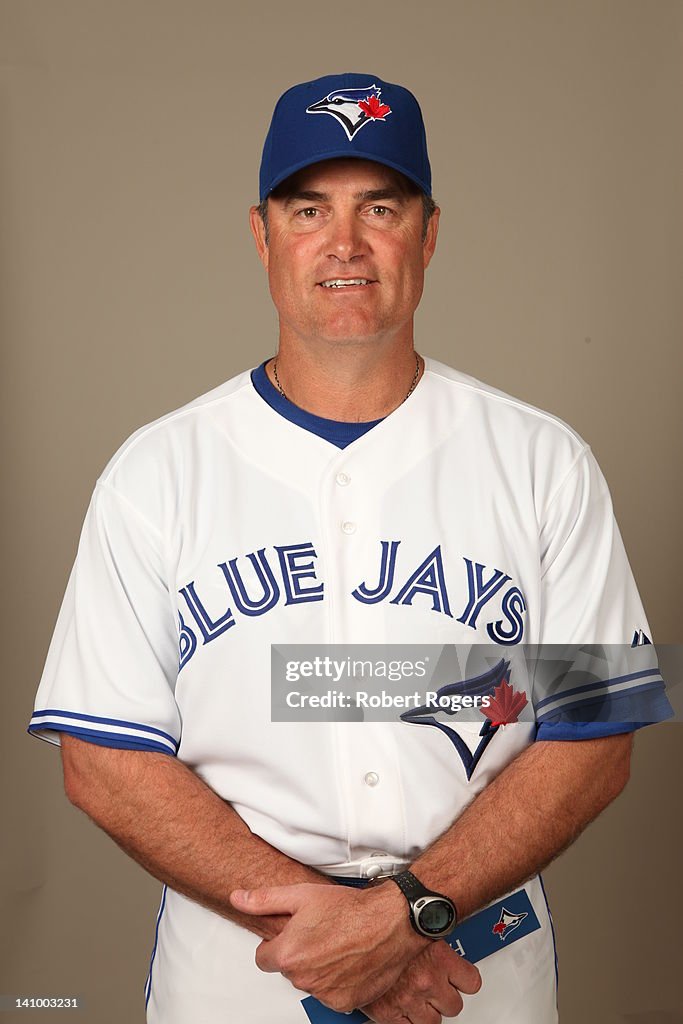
[(589, 599), (112, 663)]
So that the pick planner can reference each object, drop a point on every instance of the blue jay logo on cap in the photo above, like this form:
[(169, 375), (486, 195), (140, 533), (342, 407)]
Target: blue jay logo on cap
[(353, 108)]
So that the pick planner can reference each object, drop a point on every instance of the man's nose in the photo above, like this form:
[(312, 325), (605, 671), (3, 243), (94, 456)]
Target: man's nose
[(346, 238)]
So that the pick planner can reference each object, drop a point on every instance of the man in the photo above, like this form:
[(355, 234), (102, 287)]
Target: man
[(346, 491)]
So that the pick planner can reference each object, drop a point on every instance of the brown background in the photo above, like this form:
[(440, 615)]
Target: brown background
[(131, 135)]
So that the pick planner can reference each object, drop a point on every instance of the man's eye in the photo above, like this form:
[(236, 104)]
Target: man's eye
[(381, 211), (308, 214)]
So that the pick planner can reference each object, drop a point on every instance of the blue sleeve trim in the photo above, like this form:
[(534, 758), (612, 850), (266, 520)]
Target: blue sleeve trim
[(103, 739), (585, 730), (646, 704), (601, 683), (104, 721)]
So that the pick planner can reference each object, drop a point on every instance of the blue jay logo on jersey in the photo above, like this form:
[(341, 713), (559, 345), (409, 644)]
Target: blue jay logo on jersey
[(352, 108), (478, 686), (507, 923)]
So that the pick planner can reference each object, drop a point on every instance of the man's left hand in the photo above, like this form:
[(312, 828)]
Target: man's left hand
[(344, 946), (429, 988)]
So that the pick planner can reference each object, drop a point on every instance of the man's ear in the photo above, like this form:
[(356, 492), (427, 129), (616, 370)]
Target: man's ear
[(258, 230), (429, 244)]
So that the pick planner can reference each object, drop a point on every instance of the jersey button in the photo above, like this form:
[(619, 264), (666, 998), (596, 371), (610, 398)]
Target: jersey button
[(348, 527), (373, 871), (371, 778), (343, 479)]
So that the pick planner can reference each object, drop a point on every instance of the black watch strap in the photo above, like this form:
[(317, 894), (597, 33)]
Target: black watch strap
[(410, 886)]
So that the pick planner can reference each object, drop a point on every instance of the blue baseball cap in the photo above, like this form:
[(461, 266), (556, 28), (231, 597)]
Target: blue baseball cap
[(345, 115)]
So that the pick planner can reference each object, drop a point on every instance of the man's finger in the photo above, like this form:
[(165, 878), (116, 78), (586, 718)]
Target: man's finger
[(426, 996), (277, 899), (425, 1013), (266, 956), (448, 964), (447, 1001), (467, 978), (382, 1017)]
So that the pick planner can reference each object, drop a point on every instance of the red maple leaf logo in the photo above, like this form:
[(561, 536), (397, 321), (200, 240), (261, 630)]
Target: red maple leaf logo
[(505, 705), (500, 928), (374, 108)]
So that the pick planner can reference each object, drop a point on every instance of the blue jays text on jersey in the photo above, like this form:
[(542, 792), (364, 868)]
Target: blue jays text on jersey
[(299, 584)]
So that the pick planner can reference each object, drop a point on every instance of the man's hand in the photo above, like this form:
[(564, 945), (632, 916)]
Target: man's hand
[(428, 989), (345, 946)]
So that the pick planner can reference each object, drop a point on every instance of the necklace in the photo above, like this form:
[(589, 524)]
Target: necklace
[(413, 383)]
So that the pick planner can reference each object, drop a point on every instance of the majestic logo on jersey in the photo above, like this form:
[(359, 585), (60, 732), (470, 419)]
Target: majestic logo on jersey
[(640, 639), (352, 108), (257, 582), (507, 923)]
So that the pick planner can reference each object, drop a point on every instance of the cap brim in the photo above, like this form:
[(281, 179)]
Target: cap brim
[(357, 154)]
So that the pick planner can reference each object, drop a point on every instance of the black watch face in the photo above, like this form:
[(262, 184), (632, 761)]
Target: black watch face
[(436, 916)]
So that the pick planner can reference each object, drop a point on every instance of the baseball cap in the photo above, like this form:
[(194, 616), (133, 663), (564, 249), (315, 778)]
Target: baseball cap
[(349, 115)]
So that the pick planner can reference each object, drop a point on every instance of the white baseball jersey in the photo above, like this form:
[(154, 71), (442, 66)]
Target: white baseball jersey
[(464, 516)]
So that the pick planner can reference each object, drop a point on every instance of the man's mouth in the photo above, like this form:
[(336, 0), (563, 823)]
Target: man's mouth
[(346, 282)]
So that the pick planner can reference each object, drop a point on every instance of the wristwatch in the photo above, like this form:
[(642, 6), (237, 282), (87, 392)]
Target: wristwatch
[(431, 913)]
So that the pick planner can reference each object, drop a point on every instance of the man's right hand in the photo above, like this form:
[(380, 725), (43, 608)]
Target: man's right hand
[(428, 989)]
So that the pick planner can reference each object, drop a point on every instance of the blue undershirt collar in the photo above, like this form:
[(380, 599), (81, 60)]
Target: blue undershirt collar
[(336, 432)]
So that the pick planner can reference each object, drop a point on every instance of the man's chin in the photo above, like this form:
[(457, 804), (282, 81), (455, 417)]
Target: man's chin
[(350, 330), (348, 339)]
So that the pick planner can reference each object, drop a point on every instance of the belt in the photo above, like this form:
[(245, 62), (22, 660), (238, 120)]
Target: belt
[(376, 867)]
